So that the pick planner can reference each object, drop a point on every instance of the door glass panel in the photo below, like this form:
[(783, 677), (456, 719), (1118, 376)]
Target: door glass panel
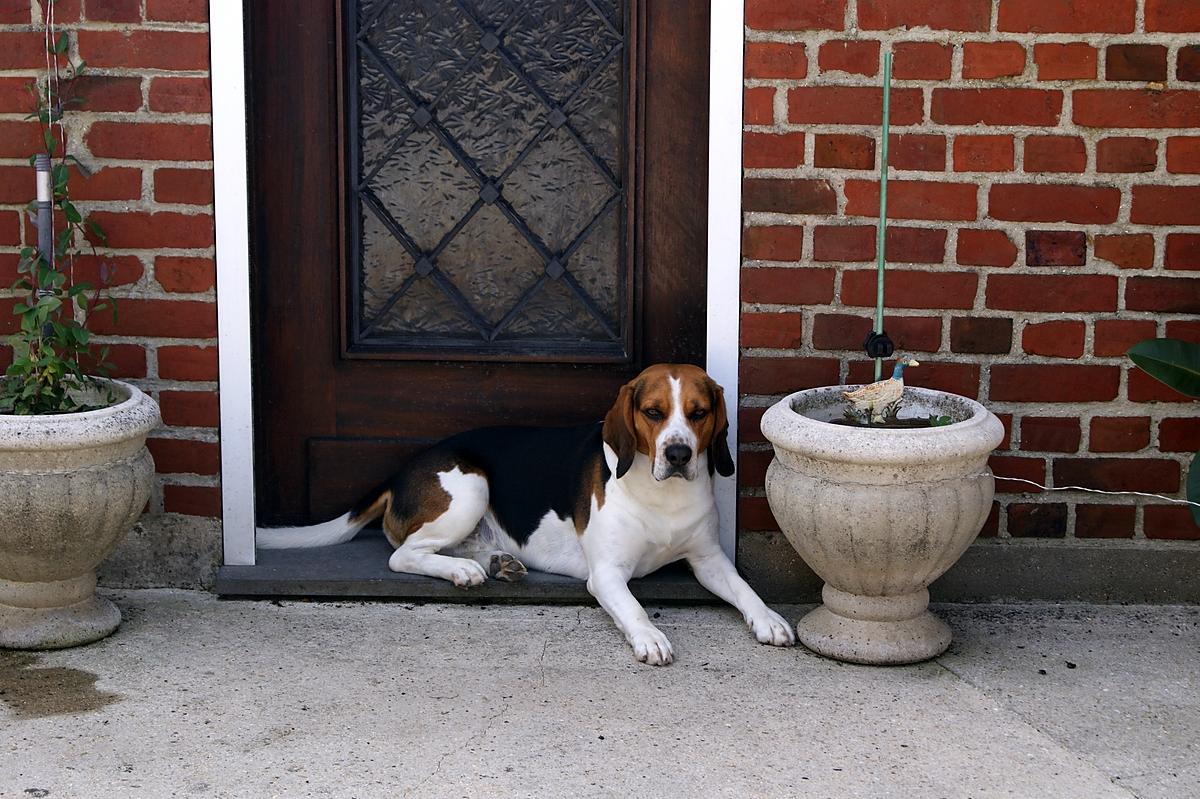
[(487, 213)]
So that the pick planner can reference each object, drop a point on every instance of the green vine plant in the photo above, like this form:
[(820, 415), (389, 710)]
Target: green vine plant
[(56, 366)]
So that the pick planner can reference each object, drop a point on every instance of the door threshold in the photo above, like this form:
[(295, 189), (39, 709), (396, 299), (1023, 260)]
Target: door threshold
[(358, 569)]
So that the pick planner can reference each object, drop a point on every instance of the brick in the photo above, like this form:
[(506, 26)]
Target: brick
[(758, 106), (186, 186), (772, 150), (15, 96), (849, 331), (1166, 205), (1163, 294), (789, 196), (1136, 108), (20, 139), (135, 229), (1127, 154), (754, 514), (921, 60), (1067, 16), (1179, 435), (984, 153), (22, 50), (182, 274), (1136, 62), (985, 248), (107, 270), (960, 15), (785, 375), (914, 199), (167, 318), (788, 15), (851, 57), (1188, 330), (775, 60), (1183, 155), (181, 95), (1127, 251), (920, 151), (15, 13), (844, 151), (1054, 339), (177, 10), (915, 245), (125, 360), (1104, 521), (18, 184), (1171, 522), (1113, 337), (1037, 520), (1055, 248), (749, 425), (184, 456), (936, 290), (144, 49), (853, 105), (777, 330), (115, 11), (1052, 293), (773, 243), (187, 363), (1172, 16), (956, 378), (1187, 64), (805, 286), (1024, 202), (1183, 251), (1144, 388), (1074, 61), (1055, 154), (1031, 469), (192, 500), (1119, 434), (150, 141), (189, 408), (991, 526), (981, 335), (10, 226), (1050, 434), (844, 243), (106, 93), (1054, 383), (989, 60), (1034, 107), (752, 468), (1006, 419), (1151, 475)]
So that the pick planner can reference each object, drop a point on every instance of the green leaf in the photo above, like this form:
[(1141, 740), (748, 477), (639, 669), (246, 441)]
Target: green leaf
[(1193, 487), (71, 212), (60, 45), (1171, 361)]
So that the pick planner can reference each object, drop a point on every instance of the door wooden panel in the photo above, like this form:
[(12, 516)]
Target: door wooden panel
[(336, 410)]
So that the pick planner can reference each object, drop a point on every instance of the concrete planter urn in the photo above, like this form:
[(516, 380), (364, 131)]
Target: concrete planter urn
[(879, 514), (71, 485)]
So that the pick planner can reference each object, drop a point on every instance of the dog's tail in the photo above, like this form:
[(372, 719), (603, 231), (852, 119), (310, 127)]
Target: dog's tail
[(338, 531)]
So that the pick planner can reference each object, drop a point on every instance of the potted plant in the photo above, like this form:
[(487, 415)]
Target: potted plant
[(75, 473), (880, 489)]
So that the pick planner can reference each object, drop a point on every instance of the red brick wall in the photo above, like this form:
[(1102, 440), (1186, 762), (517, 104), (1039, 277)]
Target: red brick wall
[(144, 130), (1046, 207)]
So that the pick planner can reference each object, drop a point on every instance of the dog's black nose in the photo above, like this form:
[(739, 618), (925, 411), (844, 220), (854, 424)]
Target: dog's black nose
[(678, 454)]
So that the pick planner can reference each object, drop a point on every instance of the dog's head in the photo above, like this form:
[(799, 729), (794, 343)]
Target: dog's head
[(670, 413)]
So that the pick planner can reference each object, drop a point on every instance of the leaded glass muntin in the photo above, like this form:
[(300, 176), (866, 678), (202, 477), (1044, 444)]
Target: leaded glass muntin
[(568, 250)]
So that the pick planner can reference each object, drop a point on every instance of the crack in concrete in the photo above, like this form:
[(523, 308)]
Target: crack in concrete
[(487, 727)]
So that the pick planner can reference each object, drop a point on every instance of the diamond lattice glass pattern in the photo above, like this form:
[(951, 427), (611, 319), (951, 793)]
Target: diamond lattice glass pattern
[(487, 186)]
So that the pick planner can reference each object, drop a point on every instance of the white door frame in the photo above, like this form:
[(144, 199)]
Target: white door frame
[(228, 43)]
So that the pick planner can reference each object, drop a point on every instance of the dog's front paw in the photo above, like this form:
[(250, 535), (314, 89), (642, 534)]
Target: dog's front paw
[(651, 646), (467, 574), (771, 628)]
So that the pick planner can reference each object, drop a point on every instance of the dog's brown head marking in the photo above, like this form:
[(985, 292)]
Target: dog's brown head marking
[(647, 405)]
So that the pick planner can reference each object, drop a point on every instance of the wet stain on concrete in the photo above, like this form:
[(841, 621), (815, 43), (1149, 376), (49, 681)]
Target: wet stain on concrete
[(32, 692)]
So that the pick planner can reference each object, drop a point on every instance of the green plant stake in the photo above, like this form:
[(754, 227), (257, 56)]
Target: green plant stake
[(881, 233)]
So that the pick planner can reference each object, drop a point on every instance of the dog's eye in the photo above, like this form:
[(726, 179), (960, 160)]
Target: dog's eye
[(697, 414), (653, 413)]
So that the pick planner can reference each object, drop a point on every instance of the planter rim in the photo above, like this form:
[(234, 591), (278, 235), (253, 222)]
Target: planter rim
[(790, 430), (133, 417)]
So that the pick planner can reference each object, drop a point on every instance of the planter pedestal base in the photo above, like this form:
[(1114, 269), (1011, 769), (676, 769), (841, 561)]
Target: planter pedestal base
[(878, 631), (54, 615)]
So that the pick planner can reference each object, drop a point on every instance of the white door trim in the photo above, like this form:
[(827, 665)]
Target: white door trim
[(231, 178)]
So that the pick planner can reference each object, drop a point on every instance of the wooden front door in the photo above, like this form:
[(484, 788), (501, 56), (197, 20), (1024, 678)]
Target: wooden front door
[(466, 213)]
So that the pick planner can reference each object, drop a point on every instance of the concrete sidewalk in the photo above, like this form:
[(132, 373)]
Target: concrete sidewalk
[(200, 697)]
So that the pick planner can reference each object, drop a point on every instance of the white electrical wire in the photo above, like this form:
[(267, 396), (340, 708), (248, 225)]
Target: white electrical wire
[(1098, 491)]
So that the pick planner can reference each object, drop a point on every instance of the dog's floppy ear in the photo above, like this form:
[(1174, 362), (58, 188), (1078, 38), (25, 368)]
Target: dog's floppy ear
[(719, 457), (619, 431)]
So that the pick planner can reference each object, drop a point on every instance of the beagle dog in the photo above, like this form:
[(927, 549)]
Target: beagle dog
[(604, 502)]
